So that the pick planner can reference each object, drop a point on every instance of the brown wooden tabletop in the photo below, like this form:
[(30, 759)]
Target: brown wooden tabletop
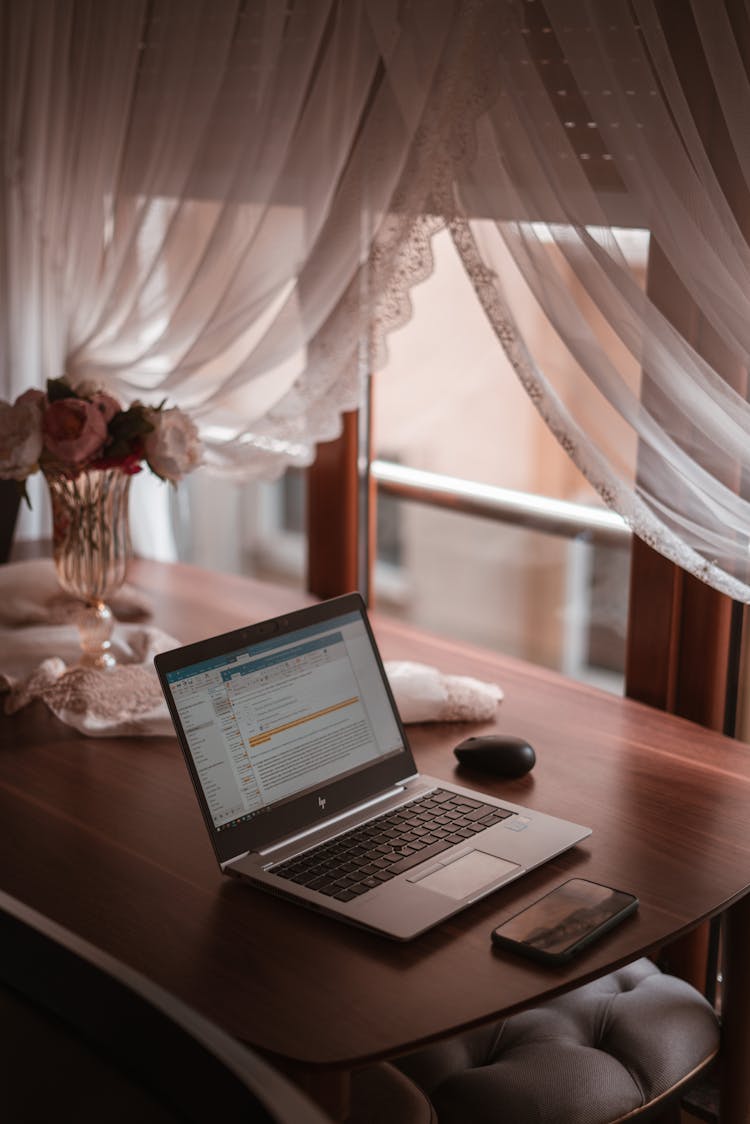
[(104, 836)]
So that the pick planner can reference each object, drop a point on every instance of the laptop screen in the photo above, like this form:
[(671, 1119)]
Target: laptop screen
[(267, 719)]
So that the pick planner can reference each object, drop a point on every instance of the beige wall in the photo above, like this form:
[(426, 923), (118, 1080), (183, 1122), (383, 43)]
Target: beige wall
[(449, 401)]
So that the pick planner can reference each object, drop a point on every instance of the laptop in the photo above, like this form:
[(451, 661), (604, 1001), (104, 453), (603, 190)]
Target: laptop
[(308, 787)]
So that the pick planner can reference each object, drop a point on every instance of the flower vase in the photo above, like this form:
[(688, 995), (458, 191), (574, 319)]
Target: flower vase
[(91, 547)]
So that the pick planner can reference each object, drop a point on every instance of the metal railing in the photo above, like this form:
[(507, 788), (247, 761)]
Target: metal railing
[(504, 505)]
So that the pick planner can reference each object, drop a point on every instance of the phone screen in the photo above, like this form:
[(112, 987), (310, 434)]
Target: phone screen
[(565, 919)]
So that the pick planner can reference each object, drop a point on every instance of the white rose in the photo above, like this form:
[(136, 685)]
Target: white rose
[(86, 388), (173, 447), (20, 438)]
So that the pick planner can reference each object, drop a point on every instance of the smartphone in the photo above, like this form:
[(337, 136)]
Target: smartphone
[(566, 920)]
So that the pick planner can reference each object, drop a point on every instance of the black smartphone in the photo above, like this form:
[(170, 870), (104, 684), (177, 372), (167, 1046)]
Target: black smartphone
[(565, 920)]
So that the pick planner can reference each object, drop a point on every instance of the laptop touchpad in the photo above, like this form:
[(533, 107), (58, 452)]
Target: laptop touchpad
[(467, 874)]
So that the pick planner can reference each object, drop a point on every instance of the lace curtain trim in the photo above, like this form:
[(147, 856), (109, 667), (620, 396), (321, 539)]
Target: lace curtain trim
[(616, 494)]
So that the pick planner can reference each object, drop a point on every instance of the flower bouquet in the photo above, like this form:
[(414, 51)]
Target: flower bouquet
[(69, 430), (88, 448)]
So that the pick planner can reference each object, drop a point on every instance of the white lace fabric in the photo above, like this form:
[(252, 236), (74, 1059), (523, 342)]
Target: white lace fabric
[(39, 655), (123, 701), (424, 694)]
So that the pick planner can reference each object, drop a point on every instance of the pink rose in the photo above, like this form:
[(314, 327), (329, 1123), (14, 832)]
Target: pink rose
[(74, 431), (20, 436), (106, 405), (33, 396)]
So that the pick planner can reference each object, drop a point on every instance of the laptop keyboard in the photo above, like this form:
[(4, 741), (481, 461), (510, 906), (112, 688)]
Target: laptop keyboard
[(365, 857)]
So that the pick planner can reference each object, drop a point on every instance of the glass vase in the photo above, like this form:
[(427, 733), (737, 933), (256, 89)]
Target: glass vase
[(91, 547)]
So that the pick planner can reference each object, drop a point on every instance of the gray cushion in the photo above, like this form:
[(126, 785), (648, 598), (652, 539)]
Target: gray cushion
[(592, 1056)]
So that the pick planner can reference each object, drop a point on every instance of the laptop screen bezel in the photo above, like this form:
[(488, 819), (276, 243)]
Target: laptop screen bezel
[(303, 811)]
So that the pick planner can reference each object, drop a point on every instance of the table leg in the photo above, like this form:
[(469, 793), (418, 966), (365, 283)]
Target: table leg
[(735, 1071), (328, 1088), (687, 957)]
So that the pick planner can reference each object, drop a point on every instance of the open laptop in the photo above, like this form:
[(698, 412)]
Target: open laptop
[(308, 787)]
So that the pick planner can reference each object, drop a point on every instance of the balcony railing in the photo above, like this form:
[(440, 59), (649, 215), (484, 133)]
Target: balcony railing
[(504, 505)]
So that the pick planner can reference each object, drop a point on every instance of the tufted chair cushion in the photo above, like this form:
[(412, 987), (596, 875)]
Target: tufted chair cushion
[(615, 1047)]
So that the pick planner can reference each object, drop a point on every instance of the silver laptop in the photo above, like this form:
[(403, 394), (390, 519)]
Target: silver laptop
[(308, 787)]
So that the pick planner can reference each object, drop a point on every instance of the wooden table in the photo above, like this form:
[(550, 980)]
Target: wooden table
[(105, 837)]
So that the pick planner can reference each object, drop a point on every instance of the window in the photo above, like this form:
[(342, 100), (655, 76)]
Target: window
[(448, 404)]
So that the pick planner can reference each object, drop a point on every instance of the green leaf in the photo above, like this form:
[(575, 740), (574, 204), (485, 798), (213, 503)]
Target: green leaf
[(127, 425), (57, 389)]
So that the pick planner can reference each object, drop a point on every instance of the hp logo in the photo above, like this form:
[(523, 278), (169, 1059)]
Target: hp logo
[(321, 803)]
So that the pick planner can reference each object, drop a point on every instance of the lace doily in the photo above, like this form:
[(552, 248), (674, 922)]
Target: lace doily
[(424, 694), (30, 594), (39, 652), (125, 701)]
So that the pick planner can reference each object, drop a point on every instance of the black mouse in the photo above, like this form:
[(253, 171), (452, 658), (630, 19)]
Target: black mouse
[(501, 754)]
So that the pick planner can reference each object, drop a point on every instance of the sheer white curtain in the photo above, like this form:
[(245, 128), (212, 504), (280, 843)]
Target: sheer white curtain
[(204, 200), (225, 202), (609, 115)]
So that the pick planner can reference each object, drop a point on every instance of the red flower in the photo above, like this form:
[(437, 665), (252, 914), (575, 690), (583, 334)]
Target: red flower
[(129, 464)]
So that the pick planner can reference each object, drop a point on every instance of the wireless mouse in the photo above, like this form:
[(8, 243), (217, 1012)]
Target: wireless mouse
[(501, 754)]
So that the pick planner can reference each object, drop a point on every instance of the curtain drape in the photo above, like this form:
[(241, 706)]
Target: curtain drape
[(613, 117), (226, 202), (204, 200)]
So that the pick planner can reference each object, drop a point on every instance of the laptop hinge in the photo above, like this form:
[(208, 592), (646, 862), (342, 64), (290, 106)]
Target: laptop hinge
[(332, 820), (234, 859), (408, 780)]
